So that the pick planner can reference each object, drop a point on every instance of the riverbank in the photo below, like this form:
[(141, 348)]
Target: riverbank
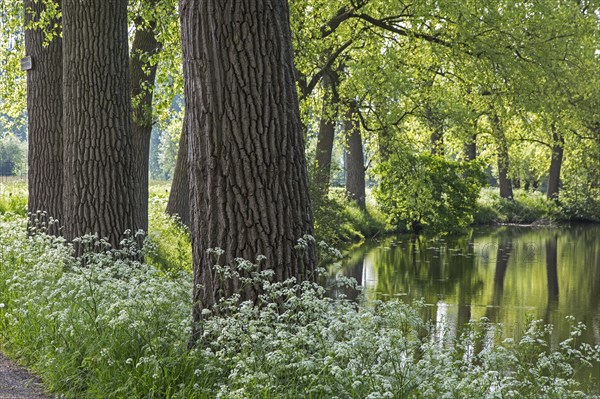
[(105, 335), (342, 223), (117, 328)]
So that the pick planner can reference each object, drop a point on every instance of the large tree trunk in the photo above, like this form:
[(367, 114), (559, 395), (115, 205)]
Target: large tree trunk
[(179, 197), (355, 159), (247, 166), (555, 164), (99, 196), (504, 182), (143, 72), (44, 110), (326, 135)]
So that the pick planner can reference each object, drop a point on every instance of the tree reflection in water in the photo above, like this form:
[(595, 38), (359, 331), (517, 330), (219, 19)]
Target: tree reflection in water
[(507, 274)]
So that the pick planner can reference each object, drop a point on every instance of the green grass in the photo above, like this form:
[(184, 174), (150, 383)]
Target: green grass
[(168, 246), (527, 207), (339, 221), (13, 196)]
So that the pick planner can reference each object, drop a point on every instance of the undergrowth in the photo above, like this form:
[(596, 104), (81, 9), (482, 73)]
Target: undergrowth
[(339, 220), (13, 197), (168, 245), (118, 328), (526, 207)]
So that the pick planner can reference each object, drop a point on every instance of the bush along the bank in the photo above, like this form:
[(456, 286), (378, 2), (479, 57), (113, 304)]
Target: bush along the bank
[(427, 192), (339, 221), (117, 328), (525, 208)]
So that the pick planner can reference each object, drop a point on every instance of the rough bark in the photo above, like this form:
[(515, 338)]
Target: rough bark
[(555, 165), (504, 181), (248, 175), (99, 194), (326, 135), (179, 197), (143, 73), (44, 110), (355, 159)]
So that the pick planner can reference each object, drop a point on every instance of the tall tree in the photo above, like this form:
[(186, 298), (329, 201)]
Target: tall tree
[(99, 196), (355, 158), (470, 145), (326, 135), (179, 197), (248, 174), (558, 144), (44, 109), (143, 66), (506, 190)]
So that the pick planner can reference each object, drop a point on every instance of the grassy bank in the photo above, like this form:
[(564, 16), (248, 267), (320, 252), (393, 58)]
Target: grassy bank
[(118, 328), (531, 207), (339, 221)]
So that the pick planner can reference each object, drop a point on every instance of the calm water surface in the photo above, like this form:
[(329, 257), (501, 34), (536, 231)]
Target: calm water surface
[(506, 274)]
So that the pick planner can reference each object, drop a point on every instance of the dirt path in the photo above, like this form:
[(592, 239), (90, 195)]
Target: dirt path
[(18, 383)]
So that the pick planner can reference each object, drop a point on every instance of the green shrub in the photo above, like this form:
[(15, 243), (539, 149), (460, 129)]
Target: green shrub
[(13, 155), (339, 220), (580, 201), (168, 245), (580, 193), (13, 198), (526, 207), (426, 192)]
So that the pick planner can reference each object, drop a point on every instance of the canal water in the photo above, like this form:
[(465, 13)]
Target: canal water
[(506, 274)]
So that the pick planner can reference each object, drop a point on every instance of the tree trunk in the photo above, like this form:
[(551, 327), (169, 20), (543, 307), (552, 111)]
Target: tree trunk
[(555, 164), (437, 131), (179, 197), (383, 144), (471, 148), (143, 72), (504, 182), (99, 196), (326, 135), (248, 176), (437, 143), (355, 159), (44, 110)]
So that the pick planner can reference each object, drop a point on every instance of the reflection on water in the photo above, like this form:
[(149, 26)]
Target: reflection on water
[(506, 274)]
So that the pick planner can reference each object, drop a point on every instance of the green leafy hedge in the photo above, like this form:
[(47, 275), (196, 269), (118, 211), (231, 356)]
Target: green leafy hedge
[(427, 192)]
